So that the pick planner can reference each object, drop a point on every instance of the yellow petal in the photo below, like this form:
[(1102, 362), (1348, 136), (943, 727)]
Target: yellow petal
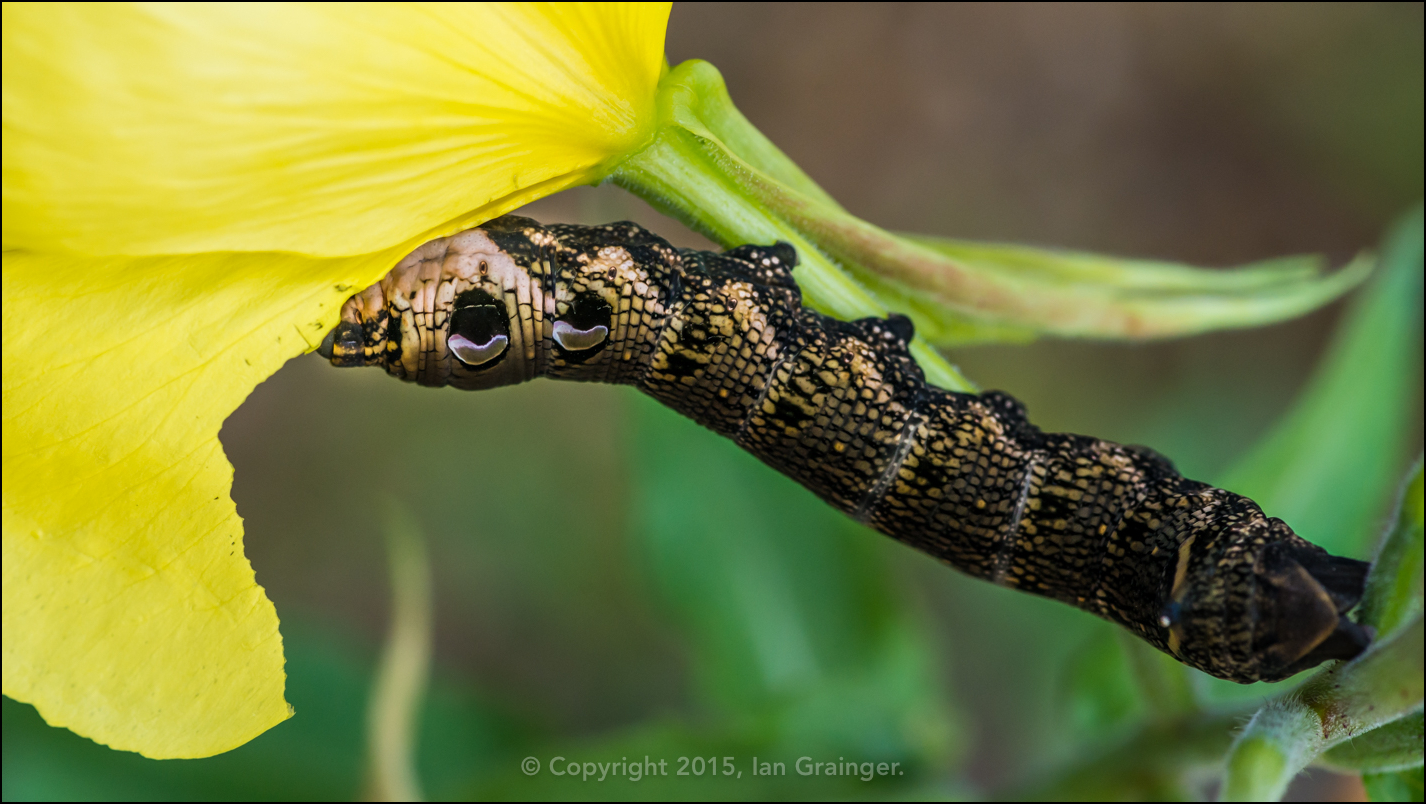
[(130, 133), (130, 613), (321, 129)]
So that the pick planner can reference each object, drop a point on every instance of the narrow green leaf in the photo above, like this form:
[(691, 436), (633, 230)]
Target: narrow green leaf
[(1121, 276), (1397, 786), (1394, 587), (1328, 467), (1393, 747), (710, 168)]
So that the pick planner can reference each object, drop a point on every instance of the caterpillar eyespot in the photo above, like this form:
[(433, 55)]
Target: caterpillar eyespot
[(479, 329), (572, 339), (841, 407), (584, 327)]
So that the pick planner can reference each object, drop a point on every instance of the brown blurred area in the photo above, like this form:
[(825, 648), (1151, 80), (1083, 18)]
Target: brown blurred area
[(1213, 134)]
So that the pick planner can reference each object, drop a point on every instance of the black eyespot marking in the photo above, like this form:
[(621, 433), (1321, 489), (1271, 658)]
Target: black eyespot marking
[(480, 329), (343, 345), (583, 331)]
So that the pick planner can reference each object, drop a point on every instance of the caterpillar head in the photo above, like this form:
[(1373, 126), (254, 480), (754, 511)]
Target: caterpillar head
[(503, 304), (457, 311), (1262, 604)]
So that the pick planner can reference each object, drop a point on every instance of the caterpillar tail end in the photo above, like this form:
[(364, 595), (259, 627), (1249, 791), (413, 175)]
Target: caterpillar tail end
[(1310, 592)]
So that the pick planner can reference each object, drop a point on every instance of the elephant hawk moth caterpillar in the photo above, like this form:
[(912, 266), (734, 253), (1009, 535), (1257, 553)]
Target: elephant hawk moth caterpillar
[(841, 407)]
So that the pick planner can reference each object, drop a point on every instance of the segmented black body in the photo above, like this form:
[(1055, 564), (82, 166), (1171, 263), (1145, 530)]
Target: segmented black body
[(842, 408)]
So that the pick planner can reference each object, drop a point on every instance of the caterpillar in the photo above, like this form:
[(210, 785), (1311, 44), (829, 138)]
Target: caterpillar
[(841, 407)]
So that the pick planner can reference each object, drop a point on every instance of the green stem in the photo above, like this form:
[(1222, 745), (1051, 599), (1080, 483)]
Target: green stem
[(1381, 685), (689, 176), (398, 690)]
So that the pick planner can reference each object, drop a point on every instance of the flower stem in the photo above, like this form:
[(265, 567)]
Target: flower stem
[(689, 174)]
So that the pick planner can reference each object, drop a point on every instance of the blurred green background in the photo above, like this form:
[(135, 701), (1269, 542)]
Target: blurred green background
[(612, 581)]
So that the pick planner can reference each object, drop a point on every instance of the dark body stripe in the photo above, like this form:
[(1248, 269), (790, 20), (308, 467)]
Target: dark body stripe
[(843, 409)]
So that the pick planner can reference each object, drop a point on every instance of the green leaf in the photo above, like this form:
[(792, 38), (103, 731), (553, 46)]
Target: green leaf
[(1393, 747), (1114, 680), (1398, 786), (1329, 466), (1392, 601), (1393, 592)]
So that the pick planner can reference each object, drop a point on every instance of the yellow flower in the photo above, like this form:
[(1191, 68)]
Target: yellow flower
[(190, 194)]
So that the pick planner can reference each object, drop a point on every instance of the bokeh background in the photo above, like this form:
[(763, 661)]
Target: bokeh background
[(611, 581)]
